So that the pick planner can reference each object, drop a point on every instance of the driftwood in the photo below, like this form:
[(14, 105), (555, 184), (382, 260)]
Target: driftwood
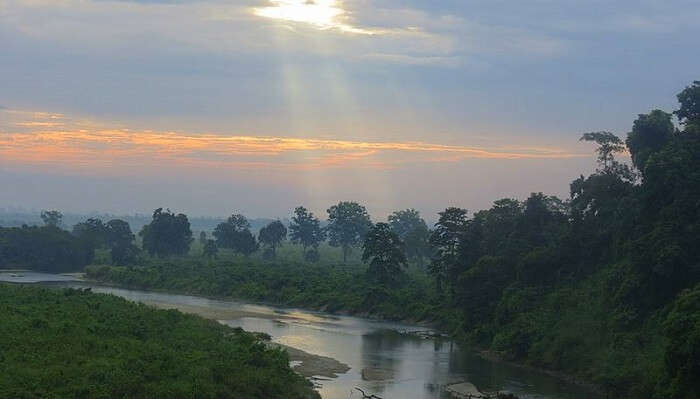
[(365, 396)]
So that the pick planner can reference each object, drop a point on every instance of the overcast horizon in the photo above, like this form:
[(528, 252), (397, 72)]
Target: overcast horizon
[(210, 107)]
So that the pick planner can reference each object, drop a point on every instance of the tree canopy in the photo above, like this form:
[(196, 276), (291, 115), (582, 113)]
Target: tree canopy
[(235, 234), (272, 236), (384, 251), (305, 229), (168, 234), (348, 222)]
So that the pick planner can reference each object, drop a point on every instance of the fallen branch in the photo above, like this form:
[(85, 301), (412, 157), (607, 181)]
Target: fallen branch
[(365, 396)]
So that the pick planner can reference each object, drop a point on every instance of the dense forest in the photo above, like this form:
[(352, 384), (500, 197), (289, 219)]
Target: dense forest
[(602, 285), (75, 344)]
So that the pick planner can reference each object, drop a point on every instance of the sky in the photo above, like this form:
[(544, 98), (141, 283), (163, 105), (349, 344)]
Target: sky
[(211, 107)]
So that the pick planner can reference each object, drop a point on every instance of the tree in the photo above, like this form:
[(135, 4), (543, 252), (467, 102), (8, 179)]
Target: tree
[(348, 222), (305, 229), (202, 238), (608, 145), (649, 134), (52, 218), (385, 252), (272, 236), (689, 112), (120, 239), (235, 234), (444, 242), (92, 231), (413, 231), (210, 250), (167, 234)]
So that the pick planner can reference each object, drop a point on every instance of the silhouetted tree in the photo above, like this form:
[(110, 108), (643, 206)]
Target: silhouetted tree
[(120, 239), (272, 236), (444, 242), (413, 231), (649, 134), (348, 222), (384, 251), (167, 234), (52, 218), (235, 234), (608, 146), (305, 229), (689, 112)]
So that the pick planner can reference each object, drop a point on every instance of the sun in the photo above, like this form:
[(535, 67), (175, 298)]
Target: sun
[(323, 14)]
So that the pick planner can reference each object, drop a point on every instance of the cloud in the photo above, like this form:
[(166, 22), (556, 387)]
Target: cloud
[(54, 139)]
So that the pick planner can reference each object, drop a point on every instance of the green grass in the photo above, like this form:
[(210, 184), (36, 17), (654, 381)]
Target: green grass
[(70, 343)]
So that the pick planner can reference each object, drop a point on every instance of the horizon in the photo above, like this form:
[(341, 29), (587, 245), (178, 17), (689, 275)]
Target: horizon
[(210, 107)]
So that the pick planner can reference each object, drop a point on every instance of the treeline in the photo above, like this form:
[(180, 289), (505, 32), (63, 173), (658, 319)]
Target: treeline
[(602, 285)]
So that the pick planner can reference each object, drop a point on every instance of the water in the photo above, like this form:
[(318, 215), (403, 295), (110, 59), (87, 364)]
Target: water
[(420, 367)]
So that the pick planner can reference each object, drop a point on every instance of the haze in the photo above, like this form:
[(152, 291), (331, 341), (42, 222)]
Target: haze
[(212, 106)]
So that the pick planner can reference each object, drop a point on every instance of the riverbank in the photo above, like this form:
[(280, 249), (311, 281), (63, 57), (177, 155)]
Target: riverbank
[(144, 279), (306, 364), (75, 343)]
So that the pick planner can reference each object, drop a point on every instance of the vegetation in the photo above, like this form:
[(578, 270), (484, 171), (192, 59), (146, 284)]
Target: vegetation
[(305, 229), (235, 234), (168, 234), (348, 222), (47, 248), (72, 343), (272, 236), (603, 285), (384, 253)]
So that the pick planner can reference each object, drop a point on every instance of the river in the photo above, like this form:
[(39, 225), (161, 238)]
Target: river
[(416, 368)]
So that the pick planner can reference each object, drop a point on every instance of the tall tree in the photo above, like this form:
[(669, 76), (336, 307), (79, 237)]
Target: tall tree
[(608, 146), (52, 218), (305, 229), (650, 132), (92, 231), (413, 231), (384, 251), (272, 236), (348, 222), (235, 234), (120, 239), (689, 112), (167, 234), (444, 242)]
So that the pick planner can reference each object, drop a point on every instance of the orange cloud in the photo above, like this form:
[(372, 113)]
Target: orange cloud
[(41, 141)]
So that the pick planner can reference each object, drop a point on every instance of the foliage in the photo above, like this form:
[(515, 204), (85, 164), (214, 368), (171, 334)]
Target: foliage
[(445, 242), (47, 248), (348, 222), (210, 249), (272, 236), (385, 252), (235, 234), (167, 234), (689, 111), (602, 285), (413, 231), (331, 287), (305, 229), (51, 218), (608, 145), (649, 134), (72, 343)]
